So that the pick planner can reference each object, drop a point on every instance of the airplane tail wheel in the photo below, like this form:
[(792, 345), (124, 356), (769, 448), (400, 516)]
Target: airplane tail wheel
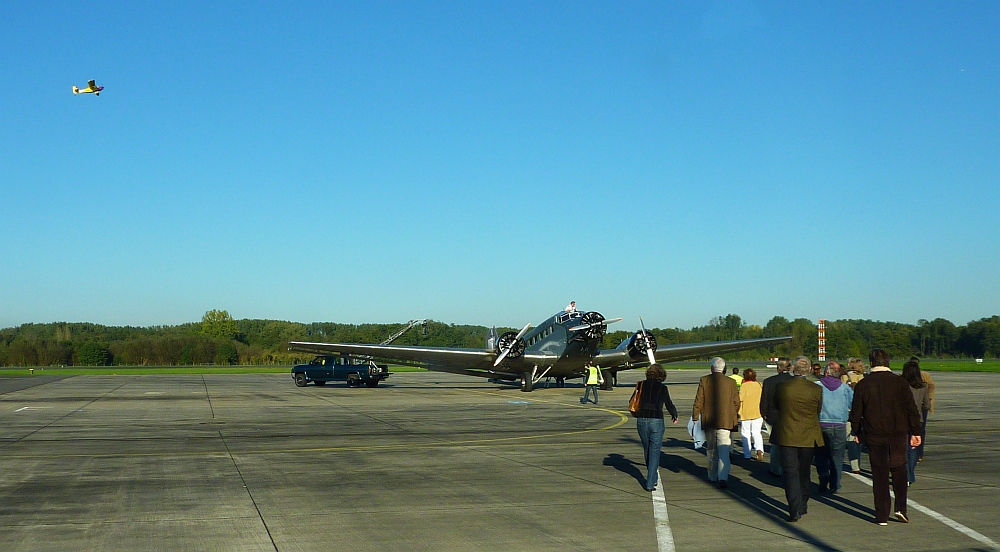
[(526, 383)]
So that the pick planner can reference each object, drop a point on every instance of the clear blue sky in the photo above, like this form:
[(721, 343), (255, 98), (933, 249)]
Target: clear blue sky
[(487, 162)]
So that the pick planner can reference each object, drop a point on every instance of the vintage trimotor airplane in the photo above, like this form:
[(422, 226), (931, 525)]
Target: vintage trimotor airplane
[(91, 88), (560, 346)]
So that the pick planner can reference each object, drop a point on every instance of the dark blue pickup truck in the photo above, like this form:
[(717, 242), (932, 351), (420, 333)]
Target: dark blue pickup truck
[(355, 371)]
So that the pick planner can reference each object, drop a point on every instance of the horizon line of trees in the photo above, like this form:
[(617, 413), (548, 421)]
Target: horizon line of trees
[(219, 339)]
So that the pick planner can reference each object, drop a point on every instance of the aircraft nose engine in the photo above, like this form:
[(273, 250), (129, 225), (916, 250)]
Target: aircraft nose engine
[(641, 343), (593, 326)]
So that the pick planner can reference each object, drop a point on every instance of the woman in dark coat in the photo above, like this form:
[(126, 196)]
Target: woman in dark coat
[(649, 421), (921, 396)]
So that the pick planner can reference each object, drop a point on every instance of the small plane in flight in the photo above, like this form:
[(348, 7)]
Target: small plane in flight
[(91, 88), (562, 346)]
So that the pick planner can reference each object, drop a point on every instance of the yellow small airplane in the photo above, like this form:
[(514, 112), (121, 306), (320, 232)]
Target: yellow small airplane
[(91, 88)]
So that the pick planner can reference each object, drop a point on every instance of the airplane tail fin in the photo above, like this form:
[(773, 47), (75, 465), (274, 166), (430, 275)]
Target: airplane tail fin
[(76, 90), (491, 339)]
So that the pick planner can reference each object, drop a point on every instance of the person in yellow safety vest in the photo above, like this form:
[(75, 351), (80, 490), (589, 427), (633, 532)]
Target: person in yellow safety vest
[(594, 378), (737, 377)]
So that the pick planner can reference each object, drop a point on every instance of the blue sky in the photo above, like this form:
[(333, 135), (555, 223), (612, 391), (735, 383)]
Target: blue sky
[(487, 162)]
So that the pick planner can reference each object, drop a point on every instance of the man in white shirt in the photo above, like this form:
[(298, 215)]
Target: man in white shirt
[(571, 307)]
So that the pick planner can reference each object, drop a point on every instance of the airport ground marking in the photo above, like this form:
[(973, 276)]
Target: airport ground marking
[(664, 536), (971, 533)]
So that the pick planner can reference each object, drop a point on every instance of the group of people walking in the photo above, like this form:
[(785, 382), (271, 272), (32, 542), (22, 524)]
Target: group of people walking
[(814, 418)]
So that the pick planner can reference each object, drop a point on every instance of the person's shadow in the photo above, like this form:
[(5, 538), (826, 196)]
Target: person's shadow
[(626, 466), (741, 485)]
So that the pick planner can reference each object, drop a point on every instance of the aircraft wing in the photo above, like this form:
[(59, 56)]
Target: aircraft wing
[(91, 84), (685, 351), (407, 353), (473, 362)]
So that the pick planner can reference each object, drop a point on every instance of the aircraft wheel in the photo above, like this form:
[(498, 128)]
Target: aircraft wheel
[(609, 381), (526, 382), (300, 379)]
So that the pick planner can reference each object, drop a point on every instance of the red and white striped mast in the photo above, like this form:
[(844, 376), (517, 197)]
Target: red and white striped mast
[(821, 333)]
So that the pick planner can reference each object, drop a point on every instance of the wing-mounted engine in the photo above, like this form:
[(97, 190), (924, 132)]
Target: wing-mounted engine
[(511, 343), (641, 344)]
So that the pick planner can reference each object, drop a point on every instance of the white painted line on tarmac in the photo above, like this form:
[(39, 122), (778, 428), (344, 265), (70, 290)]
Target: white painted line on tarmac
[(971, 533), (31, 408), (664, 537)]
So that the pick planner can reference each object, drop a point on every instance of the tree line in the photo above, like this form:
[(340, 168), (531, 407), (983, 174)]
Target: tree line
[(219, 339)]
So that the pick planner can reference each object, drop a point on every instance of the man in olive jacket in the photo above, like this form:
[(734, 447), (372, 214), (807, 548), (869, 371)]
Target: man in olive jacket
[(798, 433), (717, 405)]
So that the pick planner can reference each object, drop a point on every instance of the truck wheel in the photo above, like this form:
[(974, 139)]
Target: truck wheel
[(372, 383), (353, 381), (320, 383), (300, 379)]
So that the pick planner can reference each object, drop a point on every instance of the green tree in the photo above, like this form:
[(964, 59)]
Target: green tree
[(226, 354), (219, 324), (92, 353)]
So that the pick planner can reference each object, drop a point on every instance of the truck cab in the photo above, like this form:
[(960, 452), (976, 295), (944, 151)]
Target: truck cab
[(354, 370)]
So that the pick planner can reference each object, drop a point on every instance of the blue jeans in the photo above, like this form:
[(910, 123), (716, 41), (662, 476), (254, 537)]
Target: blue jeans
[(830, 457), (854, 454), (651, 435), (586, 394), (912, 455)]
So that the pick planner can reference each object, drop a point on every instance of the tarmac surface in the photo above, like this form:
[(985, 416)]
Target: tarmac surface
[(432, 461)]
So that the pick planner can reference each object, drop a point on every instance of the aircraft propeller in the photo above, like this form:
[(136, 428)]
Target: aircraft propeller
[(508, 345), (594, 325), (645, 336)]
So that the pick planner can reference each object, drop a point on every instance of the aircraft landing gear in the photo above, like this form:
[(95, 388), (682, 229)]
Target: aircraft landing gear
[(610, 380), (528, 379)]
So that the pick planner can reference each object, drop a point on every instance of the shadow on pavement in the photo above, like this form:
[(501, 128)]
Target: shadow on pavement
[(628, 467), (747, 491)]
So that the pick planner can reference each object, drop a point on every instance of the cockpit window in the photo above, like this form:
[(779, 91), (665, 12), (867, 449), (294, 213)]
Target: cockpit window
[(564, 316)]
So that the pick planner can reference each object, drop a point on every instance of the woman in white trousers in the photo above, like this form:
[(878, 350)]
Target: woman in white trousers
[(751, 420)]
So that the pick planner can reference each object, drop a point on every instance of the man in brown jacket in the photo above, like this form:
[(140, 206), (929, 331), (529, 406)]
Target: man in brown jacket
[(798, 433), (884, 415), (717, 404)]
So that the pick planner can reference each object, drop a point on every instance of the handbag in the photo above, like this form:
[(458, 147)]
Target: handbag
[(635, 403)]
